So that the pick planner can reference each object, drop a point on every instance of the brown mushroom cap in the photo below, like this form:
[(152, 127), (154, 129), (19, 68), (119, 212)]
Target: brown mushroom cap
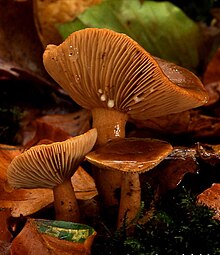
[(133, 155), (45, 166), (103, 68)]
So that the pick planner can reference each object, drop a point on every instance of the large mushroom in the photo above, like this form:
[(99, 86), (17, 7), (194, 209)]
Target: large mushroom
[(52, 166), (131, 156), (114, 77)]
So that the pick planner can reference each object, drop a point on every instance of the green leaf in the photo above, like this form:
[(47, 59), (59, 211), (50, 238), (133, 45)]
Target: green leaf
[(160, 27), (64, 230)]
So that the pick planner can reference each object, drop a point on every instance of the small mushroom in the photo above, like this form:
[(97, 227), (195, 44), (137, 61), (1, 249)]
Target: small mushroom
[(114, 77), (130, 156), (52, 166)]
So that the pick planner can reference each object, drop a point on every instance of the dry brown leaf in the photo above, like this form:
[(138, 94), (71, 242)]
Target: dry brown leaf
[(211, 78), (209, 153), (56, 127), (202, 126), (170, 124), (21, 201), (213, 90), (5, 248), (211, 198), (5, 234), (29, 242), (25, 202), (212, 72), (7, 153), (19, 42), (172, 170), (191, 122), (49, 13), (84, 185)]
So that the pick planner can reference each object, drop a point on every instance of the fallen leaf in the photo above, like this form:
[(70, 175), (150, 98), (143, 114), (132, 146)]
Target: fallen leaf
[(84, 185), (49, 13), (204, 126), (5, 234), (191, 124), (169, 124), (7, 153), (212, 72), (21, 202), (169, 174), (5, 248), (209, 153), (211, 78), (55, 127), (213, 90), (25, 202), (20, 44), (28, 201), (211, 198)]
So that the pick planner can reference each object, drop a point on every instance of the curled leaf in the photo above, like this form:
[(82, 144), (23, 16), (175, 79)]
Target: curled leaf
[(53, 237)]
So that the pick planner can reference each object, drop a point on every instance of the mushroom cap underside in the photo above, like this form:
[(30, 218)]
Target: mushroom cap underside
[(103, 68), (130, 155), (45, 166)]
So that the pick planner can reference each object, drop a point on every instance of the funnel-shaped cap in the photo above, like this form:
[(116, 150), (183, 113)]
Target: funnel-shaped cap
[(102, 68)]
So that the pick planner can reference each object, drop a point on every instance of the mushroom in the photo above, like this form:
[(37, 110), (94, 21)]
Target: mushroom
[(130, 156), (52, 166), (114, 77)]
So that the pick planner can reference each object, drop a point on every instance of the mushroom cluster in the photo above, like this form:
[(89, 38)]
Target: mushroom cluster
[(52, 166), (114, 77)]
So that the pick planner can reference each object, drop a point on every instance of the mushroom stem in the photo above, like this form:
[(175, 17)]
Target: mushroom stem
[(130, 201), (65, 203), (110, 124)]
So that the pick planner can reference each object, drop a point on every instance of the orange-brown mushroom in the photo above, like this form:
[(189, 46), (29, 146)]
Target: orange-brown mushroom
[(131, 156), (113, 76), (52, 166)]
